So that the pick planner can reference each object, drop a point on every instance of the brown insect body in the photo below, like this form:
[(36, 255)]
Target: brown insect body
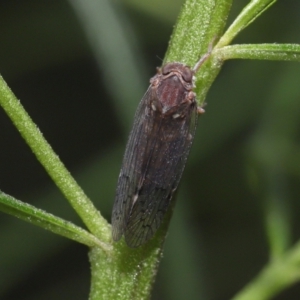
[(174, 85), (155, 155)]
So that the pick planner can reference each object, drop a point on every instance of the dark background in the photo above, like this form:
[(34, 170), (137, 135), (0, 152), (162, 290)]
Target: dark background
[(245, 151)]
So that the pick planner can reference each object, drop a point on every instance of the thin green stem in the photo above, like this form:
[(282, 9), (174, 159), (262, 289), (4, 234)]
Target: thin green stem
[(277, 216), (249, 14), (48, 221), (283, 52), (51, 162), (275, 277)]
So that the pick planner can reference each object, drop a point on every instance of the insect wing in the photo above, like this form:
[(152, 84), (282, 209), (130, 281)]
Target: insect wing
[(130, 171), (153, 163), (167, 149)]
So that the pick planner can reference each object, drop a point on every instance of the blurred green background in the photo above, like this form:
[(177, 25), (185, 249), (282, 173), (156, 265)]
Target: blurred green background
[(80, 69)]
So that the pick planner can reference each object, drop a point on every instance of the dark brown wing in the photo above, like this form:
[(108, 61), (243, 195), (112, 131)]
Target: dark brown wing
[(130, 171), (168, 153), (154, 160)]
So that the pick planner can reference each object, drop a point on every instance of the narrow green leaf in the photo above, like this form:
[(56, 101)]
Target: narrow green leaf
[(283, 52), (249, 14), (275, 277), (52, 164), (48, 221)]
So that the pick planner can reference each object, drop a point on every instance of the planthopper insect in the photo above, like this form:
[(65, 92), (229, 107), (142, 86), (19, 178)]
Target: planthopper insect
[(156, 153)]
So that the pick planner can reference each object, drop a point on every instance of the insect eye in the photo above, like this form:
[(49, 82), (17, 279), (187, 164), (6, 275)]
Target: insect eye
[(166, 69), (187, 74)]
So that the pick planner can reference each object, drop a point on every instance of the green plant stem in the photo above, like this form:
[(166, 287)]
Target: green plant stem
[(51, 162), (277, 214), (127, 275), (199, 24), (275, 277), (48, 221), (283, 52), (249, 14)]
